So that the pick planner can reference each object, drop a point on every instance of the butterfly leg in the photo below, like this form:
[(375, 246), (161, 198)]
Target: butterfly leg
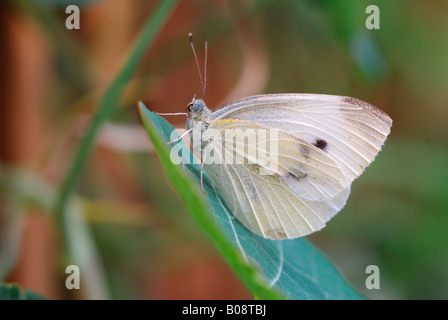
[(172, 114), (180, 137), (175, 114)]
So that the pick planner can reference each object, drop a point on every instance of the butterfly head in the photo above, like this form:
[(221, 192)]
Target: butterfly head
[(196, 107), (198, 112)]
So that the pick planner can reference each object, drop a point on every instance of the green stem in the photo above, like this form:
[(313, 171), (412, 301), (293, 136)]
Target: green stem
[(75, 234), (110, 102)]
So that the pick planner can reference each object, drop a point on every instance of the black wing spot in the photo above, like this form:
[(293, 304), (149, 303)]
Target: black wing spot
[(304, 151), (321, 144), (299, 176)]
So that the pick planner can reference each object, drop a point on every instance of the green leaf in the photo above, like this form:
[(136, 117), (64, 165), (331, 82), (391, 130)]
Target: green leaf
[(292, 269), (15, 292)]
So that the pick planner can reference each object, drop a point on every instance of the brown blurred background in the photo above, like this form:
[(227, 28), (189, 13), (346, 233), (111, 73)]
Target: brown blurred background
[(144, 243)]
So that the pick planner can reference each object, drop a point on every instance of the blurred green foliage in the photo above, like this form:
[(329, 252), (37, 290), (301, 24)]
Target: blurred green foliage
[(15, 292), (396, 216)]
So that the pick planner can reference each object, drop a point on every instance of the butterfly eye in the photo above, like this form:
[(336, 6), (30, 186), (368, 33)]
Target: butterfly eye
[(197, 107)]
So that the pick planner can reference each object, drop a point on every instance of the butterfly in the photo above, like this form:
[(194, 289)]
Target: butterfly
[(322, 144)]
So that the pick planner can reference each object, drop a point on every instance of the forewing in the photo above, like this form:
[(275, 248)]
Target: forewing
[(350, 131)]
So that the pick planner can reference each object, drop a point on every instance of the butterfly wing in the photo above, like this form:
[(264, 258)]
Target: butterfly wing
[(323, 144), (266, 205), (350, 131), (305, 168)]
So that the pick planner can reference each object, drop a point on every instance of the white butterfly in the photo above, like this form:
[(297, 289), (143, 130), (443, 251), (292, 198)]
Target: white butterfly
[(324, 143)]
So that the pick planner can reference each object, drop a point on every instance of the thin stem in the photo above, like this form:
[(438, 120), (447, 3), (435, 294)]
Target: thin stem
[(109, 104)]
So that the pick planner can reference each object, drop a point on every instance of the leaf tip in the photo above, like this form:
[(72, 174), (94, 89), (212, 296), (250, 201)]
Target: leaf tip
[(141, 106), (143, 110)]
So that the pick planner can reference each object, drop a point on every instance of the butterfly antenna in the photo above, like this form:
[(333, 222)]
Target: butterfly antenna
[(190, 36), (205, 70)]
